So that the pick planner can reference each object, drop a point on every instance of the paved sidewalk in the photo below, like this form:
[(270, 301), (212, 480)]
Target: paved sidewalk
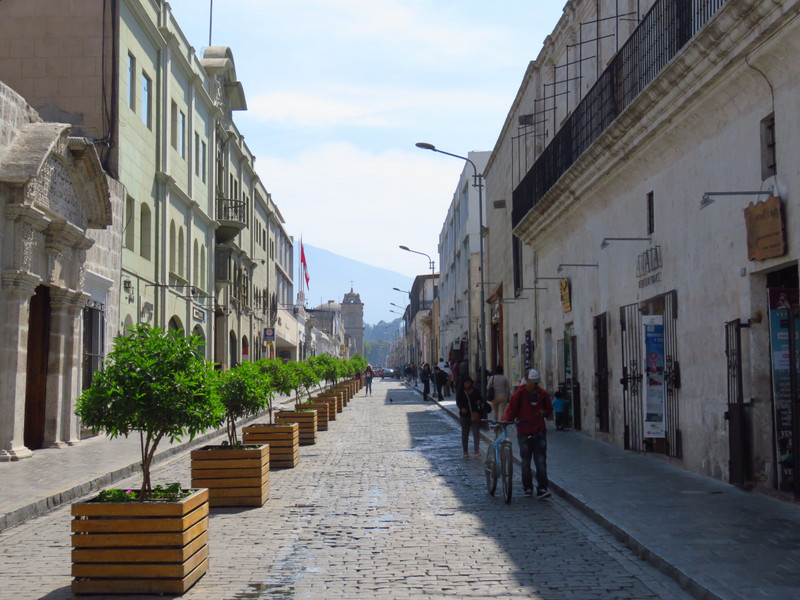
[(56, 476), (717, 541)]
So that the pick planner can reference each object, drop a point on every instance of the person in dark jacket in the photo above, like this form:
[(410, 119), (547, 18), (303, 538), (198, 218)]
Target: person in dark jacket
[(531, 405), (425, 376), (471, 409)]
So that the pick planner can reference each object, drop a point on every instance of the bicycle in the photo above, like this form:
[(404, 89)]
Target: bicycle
[(499, 457)]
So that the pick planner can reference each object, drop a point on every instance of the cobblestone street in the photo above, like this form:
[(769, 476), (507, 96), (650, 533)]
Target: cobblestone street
[(383, 506)]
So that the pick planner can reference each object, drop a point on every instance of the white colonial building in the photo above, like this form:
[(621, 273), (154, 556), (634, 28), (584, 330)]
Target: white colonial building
[(649, 185)]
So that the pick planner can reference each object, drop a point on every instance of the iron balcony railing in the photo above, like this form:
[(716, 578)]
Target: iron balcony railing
[(230, 210), (664, 30)]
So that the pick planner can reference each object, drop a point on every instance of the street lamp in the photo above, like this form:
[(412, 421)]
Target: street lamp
[(478, 183), (434, 349)]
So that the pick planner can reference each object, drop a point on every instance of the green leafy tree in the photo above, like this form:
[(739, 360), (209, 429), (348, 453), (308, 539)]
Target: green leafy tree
[(156, 383), (281, 379), (358, 363), (326, 367), (304, 377), (244, 392)]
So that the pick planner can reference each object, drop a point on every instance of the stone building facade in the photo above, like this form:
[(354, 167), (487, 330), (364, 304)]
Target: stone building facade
[(650, 197), (353, 319), (53, 193)]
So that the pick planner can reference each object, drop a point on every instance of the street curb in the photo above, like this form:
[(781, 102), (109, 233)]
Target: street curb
[(44, 505), (642, 550)]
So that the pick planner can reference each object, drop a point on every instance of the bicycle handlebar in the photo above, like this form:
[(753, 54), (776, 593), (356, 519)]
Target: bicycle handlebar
[(502, 424)]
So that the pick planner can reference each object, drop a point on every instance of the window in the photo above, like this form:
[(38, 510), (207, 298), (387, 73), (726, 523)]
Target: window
[(516, 251), (181, 249), (145, 235), (182, 133), (94, 327), (651, 214), (195, 264), (203, 161), (172, 246), (174, 125), (132, 82), (202, 267), (147, 108), (130, 223), (769, 165), (196, 154)]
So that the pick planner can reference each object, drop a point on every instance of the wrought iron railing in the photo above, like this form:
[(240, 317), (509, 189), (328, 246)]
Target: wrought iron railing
[(662, 32), (230, 210)]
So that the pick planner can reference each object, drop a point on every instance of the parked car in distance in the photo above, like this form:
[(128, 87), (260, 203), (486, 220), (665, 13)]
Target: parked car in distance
[(378, 372), (387, 372)]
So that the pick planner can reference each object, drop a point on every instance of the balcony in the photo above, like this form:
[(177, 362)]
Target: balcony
[(230, 219)]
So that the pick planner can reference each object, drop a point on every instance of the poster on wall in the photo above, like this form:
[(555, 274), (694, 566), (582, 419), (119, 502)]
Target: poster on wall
[(654, 392), (781, 300)]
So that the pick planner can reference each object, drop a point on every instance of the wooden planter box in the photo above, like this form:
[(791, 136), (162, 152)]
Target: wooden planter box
[(233, 477), (347, 389), (306, 419), (283, 440), (322, 408), (139, 547), (335, 399)]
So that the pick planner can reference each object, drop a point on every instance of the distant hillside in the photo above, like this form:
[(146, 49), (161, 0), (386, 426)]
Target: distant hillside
[(332, 276)]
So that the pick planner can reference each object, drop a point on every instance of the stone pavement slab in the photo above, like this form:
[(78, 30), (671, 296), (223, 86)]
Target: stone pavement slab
[(383, 506), (716, 540)]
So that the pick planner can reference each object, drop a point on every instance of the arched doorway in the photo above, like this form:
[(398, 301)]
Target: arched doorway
[(198, 333), (245, 348), (234, 350), (175, 325)]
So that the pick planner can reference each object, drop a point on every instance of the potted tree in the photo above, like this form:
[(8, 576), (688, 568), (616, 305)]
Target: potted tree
[(302, 377), (235, 474), (146, 541), (283, 439)]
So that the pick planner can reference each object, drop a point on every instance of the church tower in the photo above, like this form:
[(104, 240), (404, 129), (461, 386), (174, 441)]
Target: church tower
[(353, 319)]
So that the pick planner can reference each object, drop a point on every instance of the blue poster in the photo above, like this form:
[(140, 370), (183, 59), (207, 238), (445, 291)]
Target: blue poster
[(654, 396), (780, 301)]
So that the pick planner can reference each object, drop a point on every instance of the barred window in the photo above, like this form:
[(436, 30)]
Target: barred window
[(94, 326)]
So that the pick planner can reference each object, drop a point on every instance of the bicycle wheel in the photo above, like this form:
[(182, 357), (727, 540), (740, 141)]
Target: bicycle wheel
[(490, 466), (506, 471)]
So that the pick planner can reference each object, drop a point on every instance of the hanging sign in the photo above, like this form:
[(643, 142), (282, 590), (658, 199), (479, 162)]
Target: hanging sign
[(765, 229), (654, 397), (269, 335), (566, 294)]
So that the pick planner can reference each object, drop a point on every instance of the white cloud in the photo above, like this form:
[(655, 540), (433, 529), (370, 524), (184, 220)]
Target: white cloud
[(363, 205)]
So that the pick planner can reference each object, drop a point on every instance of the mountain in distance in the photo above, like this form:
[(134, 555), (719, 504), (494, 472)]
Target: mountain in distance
[(331, 276)]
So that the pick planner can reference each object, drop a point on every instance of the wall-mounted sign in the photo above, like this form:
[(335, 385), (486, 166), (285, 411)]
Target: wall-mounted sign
[(765, 229), (566, 294), (648, 266), (269, 335), (199, 315)]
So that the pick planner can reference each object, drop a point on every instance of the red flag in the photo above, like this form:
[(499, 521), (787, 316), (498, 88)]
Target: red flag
[(304, 264)]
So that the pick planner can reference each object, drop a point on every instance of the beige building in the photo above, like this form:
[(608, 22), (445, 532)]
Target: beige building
[(199, 232), (55, 200)]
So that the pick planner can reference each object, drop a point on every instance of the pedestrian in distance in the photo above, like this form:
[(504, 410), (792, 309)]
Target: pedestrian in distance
[(531, 405), (425, 376), (560, 403), (471, 409), (368, 375), (498, 390), (440, 378)]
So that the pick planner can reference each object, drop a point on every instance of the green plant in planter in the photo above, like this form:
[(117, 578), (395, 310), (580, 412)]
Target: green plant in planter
[(156, 383), (358, 364), (304, 377), (244, 391), (327, 367), (274, 370)]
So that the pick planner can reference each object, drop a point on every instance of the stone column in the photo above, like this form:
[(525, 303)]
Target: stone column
[(64, 356), (73, 371), (15, 294)]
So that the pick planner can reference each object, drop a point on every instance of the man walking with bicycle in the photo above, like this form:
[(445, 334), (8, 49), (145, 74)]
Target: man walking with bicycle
[(531, 405)]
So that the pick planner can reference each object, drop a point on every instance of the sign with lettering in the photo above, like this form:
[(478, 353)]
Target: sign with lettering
[(765, 229), (199, 315), (654, 402), (648, 266), (269, 335), (566, 294)]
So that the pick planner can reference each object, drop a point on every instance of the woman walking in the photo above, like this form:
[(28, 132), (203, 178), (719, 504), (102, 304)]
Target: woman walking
[(471, 408), (501, 391), (368, 375)]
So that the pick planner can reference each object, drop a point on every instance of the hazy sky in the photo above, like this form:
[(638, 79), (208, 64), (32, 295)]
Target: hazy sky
[(339, 91)]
